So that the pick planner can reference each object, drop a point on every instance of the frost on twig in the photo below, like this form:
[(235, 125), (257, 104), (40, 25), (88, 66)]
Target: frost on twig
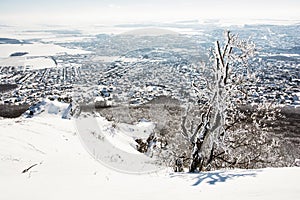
[(223, 93)]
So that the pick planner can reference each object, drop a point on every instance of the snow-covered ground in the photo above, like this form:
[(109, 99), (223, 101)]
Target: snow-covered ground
[(37, 49), (30, 63), (63, 169), (37, 57)]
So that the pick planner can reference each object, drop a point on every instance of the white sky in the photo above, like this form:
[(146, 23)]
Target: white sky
[(118, 11)]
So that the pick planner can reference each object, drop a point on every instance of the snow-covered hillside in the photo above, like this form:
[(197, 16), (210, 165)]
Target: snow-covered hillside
[(63, 169)]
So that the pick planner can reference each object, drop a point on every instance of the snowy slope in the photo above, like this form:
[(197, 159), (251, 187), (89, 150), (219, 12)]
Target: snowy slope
[(65, 170)]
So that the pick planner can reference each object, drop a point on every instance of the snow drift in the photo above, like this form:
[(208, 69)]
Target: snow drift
[(55, 165), (48, 107)]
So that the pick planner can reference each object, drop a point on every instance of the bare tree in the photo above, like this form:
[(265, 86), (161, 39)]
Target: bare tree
[(221, 90)]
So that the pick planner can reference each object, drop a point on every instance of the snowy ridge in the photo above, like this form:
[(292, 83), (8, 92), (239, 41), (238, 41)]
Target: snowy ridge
[(56, 166)]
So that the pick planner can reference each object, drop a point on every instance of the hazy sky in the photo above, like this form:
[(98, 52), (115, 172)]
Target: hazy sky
[(102, 11)]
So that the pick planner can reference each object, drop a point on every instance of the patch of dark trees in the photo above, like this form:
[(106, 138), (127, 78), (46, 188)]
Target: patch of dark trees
[(12, 111), (7, 87)]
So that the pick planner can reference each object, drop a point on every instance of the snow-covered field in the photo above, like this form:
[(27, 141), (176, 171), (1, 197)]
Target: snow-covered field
[(30, 63), (38, 53), (37, 49), (63, 169), (37, 57)]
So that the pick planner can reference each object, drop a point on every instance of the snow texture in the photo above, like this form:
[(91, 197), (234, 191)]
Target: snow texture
[(57, 166)]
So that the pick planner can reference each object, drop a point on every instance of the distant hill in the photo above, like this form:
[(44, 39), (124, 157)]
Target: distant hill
[(18, 54), (10, 41), (150, 32)]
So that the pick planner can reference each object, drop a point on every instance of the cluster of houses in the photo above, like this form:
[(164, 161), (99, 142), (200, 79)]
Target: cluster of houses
[(277, 81), (138, 76), (35, 85)]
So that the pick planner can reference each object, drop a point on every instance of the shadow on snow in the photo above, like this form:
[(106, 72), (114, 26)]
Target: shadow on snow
[(214, 177)]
